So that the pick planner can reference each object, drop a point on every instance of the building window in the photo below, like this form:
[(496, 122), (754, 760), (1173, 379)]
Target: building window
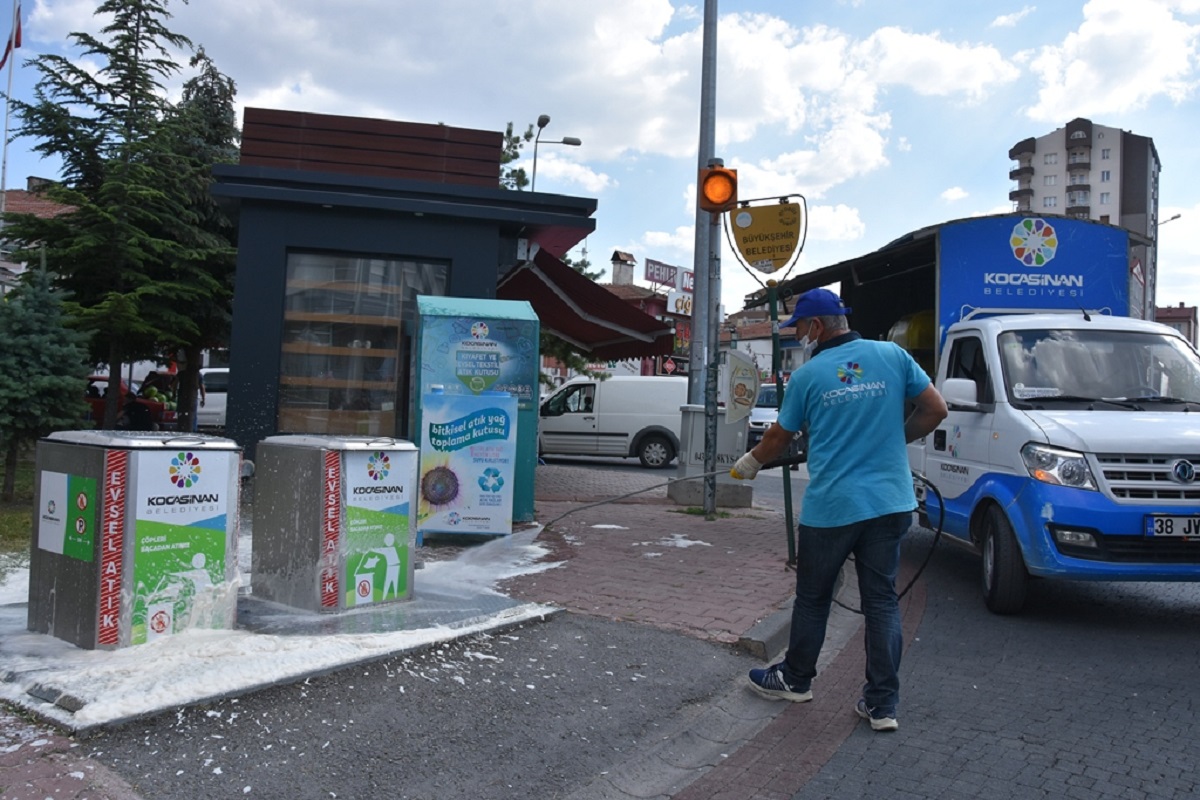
[(347, 353), (1051, 158), (1079, 198), (1104, 198), (1049, 202), (1050, 180), (1105, 153), (1079, 135), (1105, 176)]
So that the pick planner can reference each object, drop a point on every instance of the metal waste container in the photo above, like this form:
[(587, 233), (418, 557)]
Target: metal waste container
[(731, 443), (333, 521), (134, 536)]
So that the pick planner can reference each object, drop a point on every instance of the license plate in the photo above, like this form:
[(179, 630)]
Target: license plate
[(1162, 525)]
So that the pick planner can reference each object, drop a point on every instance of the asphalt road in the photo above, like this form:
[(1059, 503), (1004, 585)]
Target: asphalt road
[(537, 711)]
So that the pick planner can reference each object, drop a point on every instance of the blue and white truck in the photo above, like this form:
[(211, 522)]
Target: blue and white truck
[(1072, 446)]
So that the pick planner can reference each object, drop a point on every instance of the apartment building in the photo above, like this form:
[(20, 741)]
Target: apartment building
[(1091, 171)]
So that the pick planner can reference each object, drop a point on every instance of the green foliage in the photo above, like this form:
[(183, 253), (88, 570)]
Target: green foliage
[(514, 177), (144, 251), (42, 367)]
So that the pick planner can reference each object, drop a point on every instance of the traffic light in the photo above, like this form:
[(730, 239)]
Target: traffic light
[(718, 189)]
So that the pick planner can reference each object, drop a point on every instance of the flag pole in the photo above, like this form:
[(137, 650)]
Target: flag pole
[(12, 56)]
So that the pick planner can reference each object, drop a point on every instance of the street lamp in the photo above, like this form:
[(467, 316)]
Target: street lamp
[(542, 121), (1168, 219)]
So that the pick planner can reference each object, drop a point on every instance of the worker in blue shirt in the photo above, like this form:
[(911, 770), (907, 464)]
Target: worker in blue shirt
[(850, 397)]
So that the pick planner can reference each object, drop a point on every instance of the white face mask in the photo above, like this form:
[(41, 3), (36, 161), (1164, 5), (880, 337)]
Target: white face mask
[(808, 343)]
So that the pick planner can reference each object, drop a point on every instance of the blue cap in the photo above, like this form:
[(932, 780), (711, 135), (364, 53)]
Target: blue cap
[(817, 303)]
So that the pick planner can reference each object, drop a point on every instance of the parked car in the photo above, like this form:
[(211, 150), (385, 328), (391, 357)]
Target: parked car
[(763, 414), (155, 416), (216, 393)]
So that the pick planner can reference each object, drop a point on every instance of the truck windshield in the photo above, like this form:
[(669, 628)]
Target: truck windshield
[(1080, 364)]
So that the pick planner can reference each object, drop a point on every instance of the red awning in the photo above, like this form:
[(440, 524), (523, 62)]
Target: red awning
[(572, 307)]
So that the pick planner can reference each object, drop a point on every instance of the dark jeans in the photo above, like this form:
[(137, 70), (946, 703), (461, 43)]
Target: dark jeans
[(820, 553)]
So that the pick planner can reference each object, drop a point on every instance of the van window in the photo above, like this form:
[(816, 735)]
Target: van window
[(575, 400), (967, 361), (216, 382)]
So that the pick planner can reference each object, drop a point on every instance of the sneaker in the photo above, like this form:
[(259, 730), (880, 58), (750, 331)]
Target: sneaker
[(771, 684), (879, 722)]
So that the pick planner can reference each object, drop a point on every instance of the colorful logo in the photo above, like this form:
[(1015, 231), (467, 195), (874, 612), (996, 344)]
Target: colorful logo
[(50, 507), (1034, 242), (479, 330), (378, 466), (184, 471), (490, 480), (454, 518), (849, 373)]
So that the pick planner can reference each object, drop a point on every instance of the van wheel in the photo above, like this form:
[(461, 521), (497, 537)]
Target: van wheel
[(1004, 575), (655, 452)]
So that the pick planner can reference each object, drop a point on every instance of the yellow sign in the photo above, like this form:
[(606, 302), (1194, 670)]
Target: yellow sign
[(767, 236)]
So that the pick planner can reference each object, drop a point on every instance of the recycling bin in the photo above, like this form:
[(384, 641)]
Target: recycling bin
[(333, 521), (134, 536)]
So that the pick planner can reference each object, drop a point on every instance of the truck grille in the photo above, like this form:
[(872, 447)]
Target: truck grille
[(1148, 478), (1136, 550)]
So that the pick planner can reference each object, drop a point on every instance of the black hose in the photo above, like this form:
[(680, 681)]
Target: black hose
[(937, 534)]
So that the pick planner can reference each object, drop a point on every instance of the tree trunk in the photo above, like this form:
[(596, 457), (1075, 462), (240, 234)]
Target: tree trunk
[(11, 456), (188, 399)]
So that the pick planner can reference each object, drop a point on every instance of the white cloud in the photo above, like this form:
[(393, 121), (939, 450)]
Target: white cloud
[(931, 66), (1121, 56), (1011, 20), (553, 168), (954, 194)]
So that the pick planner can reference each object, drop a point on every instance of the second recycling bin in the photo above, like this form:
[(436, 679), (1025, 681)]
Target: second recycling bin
[(333, 521), (134, 536)]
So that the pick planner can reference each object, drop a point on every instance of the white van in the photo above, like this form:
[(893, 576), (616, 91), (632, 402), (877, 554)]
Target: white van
[(622, 416), (216, 388)]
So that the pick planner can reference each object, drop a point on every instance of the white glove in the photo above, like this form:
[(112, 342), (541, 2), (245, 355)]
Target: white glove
[(746, 467)]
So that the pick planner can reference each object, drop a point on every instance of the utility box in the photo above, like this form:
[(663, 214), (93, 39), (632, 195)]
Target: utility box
[(731, 444), (334, 521), (134, 536)]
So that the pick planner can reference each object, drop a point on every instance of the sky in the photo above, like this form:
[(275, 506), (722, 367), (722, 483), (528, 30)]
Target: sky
[(886, 117)]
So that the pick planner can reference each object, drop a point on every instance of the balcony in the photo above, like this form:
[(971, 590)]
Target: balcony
[(1080, 212), (1017, 194), (1079, 162), (1079, 187), (1020, 172), (1023, 147)]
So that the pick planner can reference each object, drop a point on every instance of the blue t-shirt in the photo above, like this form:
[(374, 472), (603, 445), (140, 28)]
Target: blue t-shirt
[(851, 397)]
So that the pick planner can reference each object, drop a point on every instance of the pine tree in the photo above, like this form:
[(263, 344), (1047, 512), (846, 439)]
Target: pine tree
[(43, 370), (109, 128)]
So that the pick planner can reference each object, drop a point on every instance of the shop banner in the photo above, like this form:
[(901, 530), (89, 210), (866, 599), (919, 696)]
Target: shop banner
[(181, 530), (468, 454), (379, 487)]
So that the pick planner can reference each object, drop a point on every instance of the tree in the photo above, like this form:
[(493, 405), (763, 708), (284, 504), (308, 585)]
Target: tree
[(204, 132), (514, 177), (110, 129), (42, 370)]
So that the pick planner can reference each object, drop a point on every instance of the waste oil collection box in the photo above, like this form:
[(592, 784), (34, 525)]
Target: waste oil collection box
[(333, 521), (134, 536)]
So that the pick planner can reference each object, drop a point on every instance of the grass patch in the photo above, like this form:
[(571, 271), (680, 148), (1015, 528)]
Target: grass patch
[(16, 518)]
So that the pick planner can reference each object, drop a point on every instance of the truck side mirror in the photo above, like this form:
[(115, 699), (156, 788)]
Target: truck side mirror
[(960, 393)]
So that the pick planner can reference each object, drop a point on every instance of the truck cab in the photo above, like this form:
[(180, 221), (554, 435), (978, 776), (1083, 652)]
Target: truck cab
[(1070, 450)]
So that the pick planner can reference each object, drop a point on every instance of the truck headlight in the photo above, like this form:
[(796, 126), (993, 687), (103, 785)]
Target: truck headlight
[(1058, 466)]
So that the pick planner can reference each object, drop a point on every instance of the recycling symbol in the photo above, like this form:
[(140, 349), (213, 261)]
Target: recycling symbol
[(490, 480)]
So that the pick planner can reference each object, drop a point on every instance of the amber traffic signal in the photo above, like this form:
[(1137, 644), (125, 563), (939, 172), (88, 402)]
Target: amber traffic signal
[(718, 189)]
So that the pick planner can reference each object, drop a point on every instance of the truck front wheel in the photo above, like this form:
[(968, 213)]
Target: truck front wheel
[(655, 452), (1004, 574)]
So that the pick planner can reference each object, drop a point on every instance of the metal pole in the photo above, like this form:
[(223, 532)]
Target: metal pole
[(776, 370), (697, 357)]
